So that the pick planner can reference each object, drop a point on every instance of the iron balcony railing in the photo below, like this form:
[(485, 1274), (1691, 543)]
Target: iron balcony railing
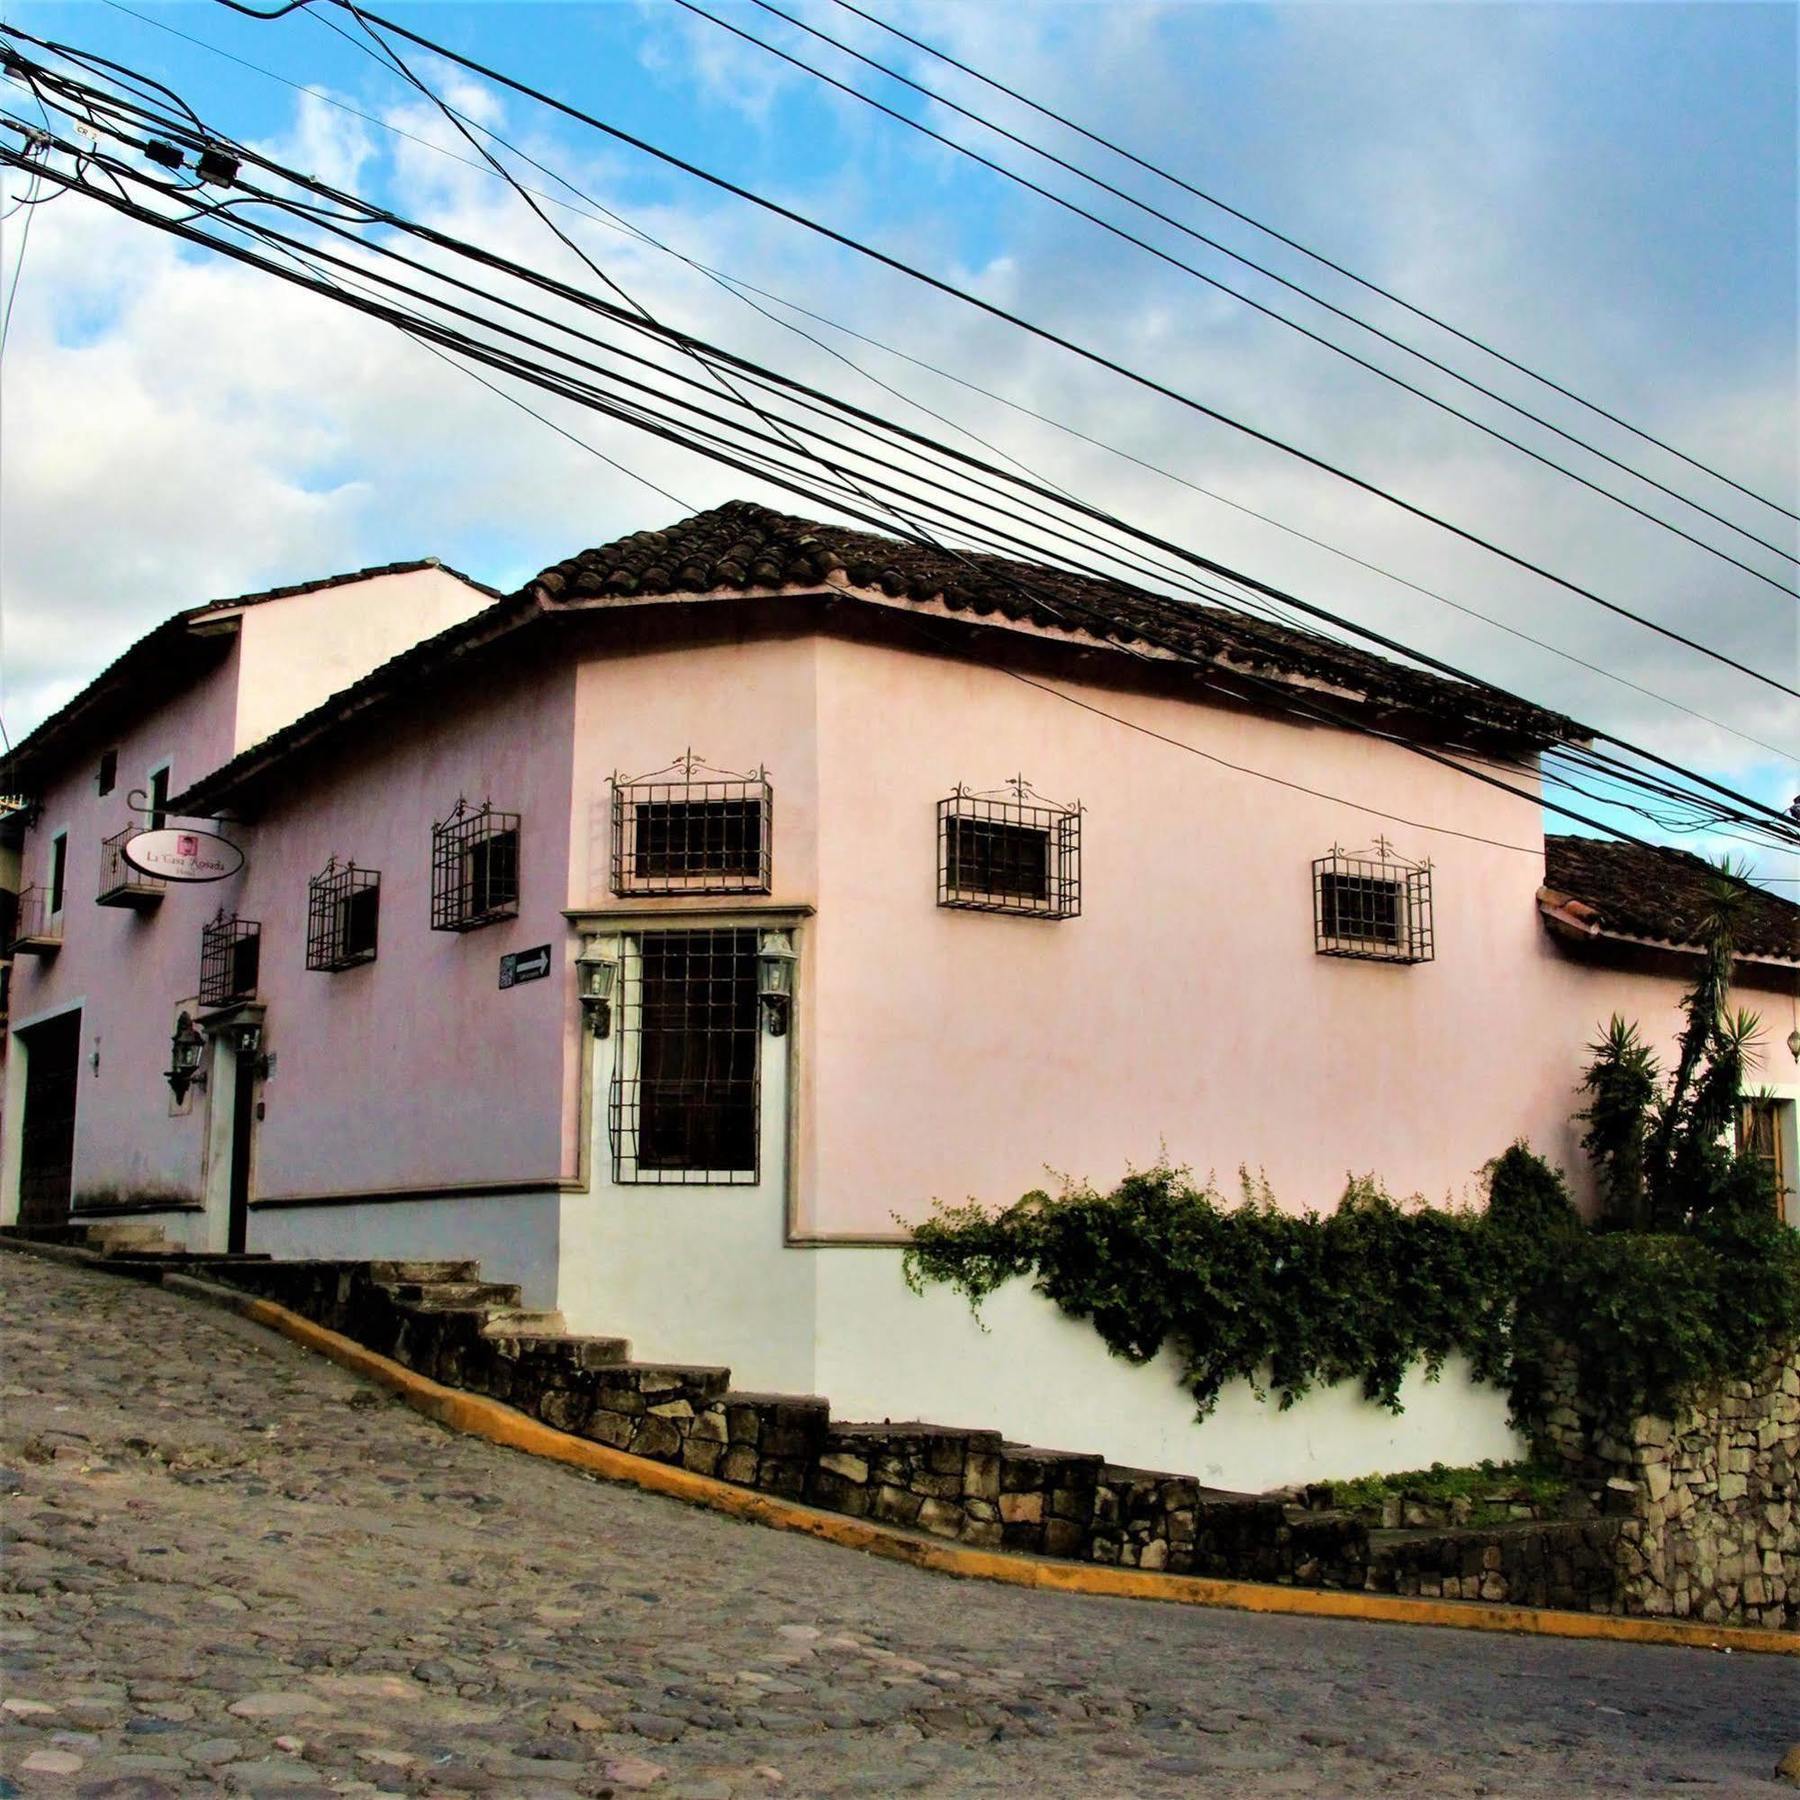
[(37, 930), (120, 883)]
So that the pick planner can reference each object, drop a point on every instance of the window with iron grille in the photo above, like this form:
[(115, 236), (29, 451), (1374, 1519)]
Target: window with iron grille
[(343, 915), (1764, 1124), (474, 868), (1009, 850), (686, 1087), (230, 959), (690, 829), (1374, 905)]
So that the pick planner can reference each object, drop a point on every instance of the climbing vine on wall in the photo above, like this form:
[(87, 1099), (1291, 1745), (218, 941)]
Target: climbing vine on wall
[(1290, 1301)]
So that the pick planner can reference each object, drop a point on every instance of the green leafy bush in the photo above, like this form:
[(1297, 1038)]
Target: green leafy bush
[(1366, 1292)]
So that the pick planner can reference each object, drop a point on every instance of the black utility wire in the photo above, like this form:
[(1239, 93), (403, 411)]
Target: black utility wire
[(1319, 257), (1048, 336), (637, 324), (1288, 700), (1286, 697), (1237, 294), (598, 213)]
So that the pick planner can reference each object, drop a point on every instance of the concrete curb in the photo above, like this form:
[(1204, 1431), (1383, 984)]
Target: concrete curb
[(480, 1417)]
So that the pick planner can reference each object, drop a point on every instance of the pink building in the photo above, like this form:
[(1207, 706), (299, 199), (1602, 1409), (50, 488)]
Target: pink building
[(672, 932)]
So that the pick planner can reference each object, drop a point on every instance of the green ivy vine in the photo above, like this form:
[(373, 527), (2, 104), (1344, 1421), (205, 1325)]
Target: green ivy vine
[(1290, 1301)]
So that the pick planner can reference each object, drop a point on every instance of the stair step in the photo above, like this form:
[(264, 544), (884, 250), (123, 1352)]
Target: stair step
[(584, 1352), (385, 1273), (659, 1377), (524, 1321), (454, 1296)]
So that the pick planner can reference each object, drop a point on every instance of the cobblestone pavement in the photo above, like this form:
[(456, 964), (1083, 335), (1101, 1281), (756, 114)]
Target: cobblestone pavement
[(231, 1567)]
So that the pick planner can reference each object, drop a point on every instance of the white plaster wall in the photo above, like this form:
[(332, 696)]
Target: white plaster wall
[(1043, 1378), (693, 1274), (512, 1236)]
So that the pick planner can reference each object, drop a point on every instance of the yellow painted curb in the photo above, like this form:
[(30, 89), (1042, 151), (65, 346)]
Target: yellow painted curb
[(484, 1418)]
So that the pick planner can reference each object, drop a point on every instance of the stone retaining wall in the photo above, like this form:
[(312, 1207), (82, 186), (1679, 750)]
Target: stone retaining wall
[(443, 1321), (1712, 1496)]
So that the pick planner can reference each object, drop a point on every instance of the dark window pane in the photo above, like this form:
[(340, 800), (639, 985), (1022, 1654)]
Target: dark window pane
[(1359, 906), (358, 914), (108, 777), (246, 955), (59, 870), (493, 873), (698, 837), (991, 857), (159, 799), (698, 1029)]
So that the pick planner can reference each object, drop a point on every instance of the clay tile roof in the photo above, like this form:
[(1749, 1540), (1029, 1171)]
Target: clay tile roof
[(741, 548), (1659, 894)]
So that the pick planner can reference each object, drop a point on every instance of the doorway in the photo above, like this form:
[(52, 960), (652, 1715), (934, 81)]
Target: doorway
[(47, 1135), (244, 1068)]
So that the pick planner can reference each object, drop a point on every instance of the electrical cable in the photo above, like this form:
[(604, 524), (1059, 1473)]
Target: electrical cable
[(1111, 624), (1100, 360), (594, 211), (699, 11), (1324, 261)]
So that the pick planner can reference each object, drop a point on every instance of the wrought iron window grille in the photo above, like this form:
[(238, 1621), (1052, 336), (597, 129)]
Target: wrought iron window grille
[(1010, 850), (692, 829), (343, 915), (686, 1087), (474, 867), (1372, 904), (230, 959), (120, 883)]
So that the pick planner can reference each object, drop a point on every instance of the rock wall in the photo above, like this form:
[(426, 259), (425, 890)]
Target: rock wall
[(1711, 1496)]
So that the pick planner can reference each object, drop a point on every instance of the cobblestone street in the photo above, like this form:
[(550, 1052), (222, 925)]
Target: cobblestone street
[(231, 1567)]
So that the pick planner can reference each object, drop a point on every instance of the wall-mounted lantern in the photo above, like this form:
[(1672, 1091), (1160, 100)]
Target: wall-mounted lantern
[(1794, 1043), (597, 971), (775, 961), (186, 1048)]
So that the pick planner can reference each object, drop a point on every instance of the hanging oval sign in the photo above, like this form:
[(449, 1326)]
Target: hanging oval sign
[(182, 855)]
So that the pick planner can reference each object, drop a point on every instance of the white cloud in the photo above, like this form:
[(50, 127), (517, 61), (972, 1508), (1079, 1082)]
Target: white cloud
[(205, 430)]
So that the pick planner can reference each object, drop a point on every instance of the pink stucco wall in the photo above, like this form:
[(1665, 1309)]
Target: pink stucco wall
[(129, 972), (414, 1069), (1185, 1012)]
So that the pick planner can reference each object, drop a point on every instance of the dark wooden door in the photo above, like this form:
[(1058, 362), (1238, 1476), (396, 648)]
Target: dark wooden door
[(47, 1135), (243, 1122)]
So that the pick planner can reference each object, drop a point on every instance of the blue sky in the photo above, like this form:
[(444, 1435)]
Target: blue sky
[(1608, 192)]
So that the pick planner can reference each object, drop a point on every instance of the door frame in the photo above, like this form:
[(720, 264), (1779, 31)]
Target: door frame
[(232, 1077), (18, 1075)]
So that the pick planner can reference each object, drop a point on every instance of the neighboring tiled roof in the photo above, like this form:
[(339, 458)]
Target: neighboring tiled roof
[(743, 548), (1662, 895), (173, 652)]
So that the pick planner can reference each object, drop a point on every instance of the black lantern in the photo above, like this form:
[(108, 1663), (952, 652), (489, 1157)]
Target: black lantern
[(186, 1048), (775, 979), (597, 968)]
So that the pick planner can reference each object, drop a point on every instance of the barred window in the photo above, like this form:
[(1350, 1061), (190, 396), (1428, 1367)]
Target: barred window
[(691, 829), (230, 959), (343, 915), (1763, 1125), (685, 1090), (1374, 905), (1009, 850), (474, 868)]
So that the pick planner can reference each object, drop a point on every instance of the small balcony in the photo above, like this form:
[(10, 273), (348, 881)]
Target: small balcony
[(120, 883), (37, 931)]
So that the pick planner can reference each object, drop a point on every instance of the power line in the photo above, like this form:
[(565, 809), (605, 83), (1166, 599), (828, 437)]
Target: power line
[(785, 476), (594, 211), (1149, 383), (1287, 700), (1293, 324), (1324, 261)]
